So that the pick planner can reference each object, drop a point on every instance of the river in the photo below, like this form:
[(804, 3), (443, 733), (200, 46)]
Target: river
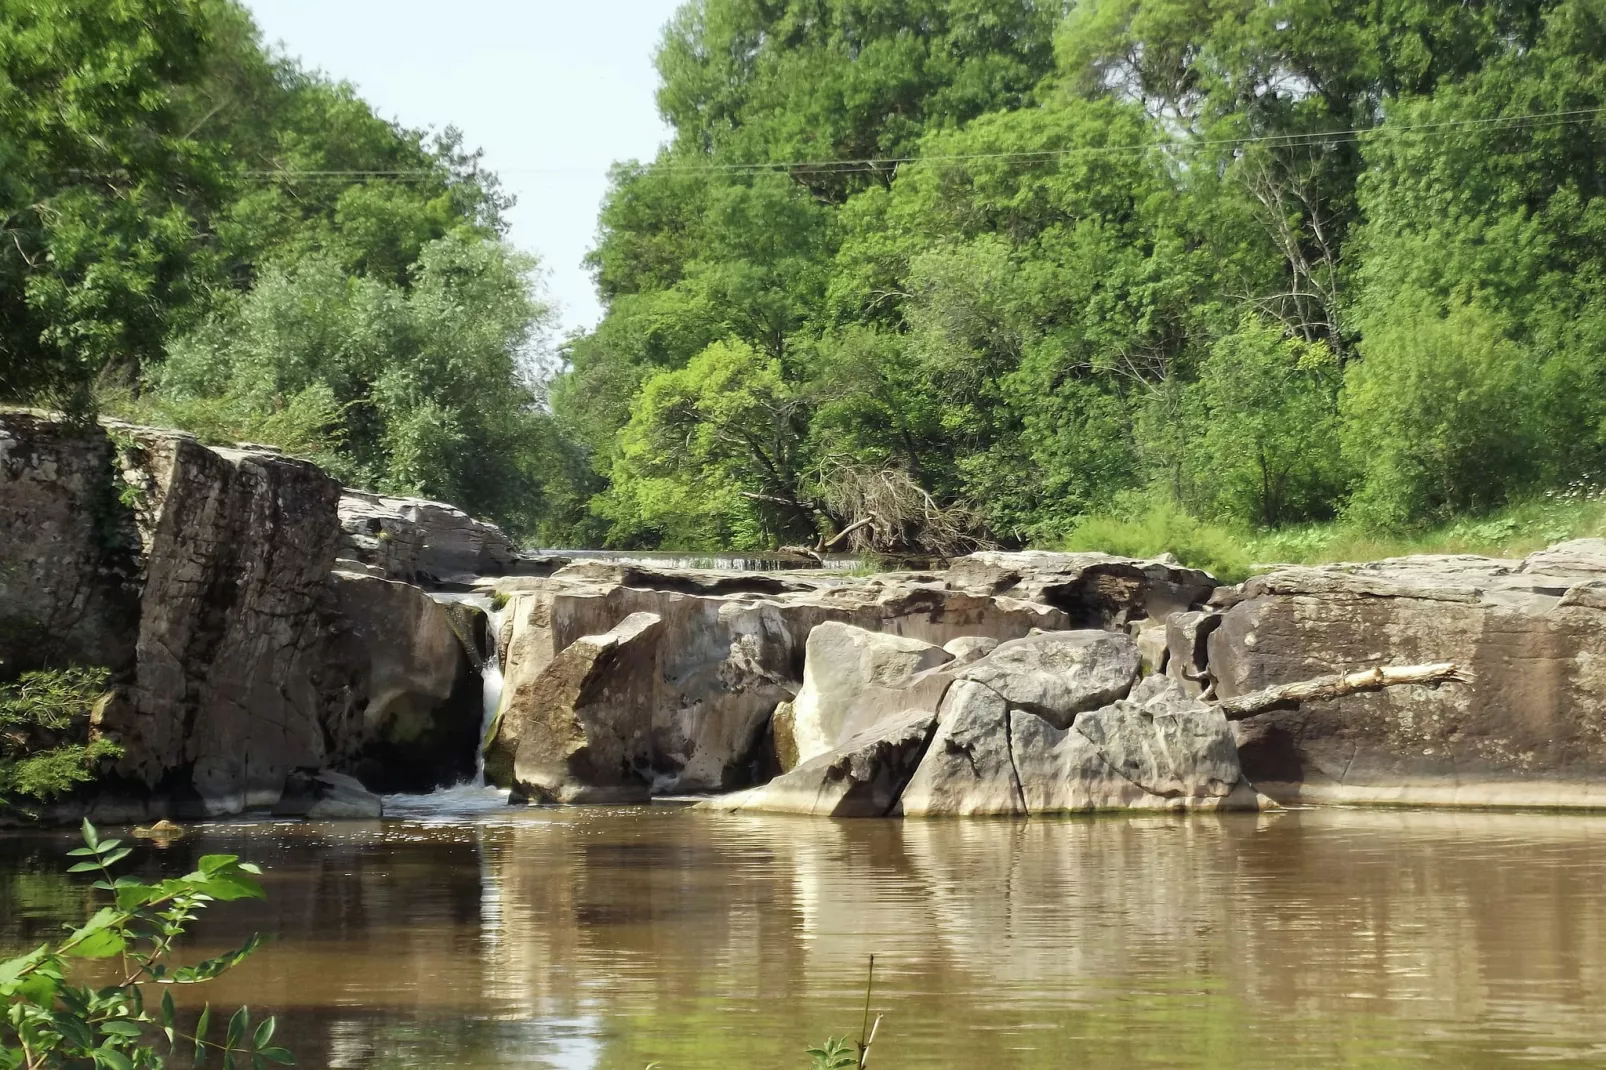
[(611, 938)]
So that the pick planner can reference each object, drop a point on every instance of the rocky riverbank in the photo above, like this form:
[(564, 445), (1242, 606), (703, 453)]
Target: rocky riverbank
[(265, 628)]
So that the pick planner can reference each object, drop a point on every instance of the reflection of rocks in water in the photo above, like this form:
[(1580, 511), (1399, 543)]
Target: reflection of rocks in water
[(613, 938)]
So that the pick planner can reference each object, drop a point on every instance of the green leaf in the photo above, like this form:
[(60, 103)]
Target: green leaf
[(278, 1055), (238, 1025), (12, 969), (121, 1029), (91, 837), (264, 1033), (112, 1060), (97, 939), (201, 1026)]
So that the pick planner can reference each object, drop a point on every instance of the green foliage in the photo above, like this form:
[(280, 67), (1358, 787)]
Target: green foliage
[(415, 391), (1164, 528), (51, 1021), (45, 745), (1161, 269), (835, 1054)]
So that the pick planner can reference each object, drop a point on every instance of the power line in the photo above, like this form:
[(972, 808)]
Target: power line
[(1533, 120)]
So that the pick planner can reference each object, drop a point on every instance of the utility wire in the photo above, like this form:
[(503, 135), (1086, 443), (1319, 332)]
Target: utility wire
[(1533, 120)]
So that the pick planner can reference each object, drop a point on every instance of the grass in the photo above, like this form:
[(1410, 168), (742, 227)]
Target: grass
[(1233, 554)]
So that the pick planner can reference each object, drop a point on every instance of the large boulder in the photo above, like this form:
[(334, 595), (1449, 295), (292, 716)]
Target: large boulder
[(419, 541), (968, 768), (404, 693), (581, 731), (1057, 675), (1527, 731), (853, 678), (1095, 590), (1159, 748), (863, 777)]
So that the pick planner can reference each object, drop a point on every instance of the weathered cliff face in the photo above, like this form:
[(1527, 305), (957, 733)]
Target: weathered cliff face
[(403, 698), (68, 549), (1528, 731), (201, 578), (236, 551)]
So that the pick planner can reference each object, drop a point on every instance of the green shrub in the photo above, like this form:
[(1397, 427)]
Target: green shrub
[(1164, 528), (45, 744)]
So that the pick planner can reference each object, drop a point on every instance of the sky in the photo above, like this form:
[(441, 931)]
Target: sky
[(554, 91)]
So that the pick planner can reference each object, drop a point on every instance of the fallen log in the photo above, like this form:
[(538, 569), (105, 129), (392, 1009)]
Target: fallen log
[(1284, 696)]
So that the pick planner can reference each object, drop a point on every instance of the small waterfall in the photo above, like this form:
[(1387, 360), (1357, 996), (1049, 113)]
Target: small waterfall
[(491, 686), (473, 795)]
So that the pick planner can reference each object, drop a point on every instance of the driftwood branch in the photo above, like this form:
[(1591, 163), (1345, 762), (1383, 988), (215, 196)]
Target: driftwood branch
[(863, 522), (1325, 687)]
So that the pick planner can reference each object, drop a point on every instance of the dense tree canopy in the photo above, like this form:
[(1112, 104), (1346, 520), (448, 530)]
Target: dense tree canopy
[(909, 274), (1035, 261), (195, 231)]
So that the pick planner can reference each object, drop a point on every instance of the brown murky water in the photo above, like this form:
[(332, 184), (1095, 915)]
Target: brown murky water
[(613, 938)]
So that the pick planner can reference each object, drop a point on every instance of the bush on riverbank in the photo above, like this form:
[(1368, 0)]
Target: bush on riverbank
[(46, 749), (1234, 552)]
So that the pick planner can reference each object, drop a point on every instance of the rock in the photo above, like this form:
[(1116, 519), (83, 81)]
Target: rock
[(1150, 636), (1059, 674), (420, 541), (324, 795), (728, 660), (1095, 590), (862, 778), (1165, 742), (69, 593), (1525, 733), (853, 678), (1187, 648), (784, 736), (236, 549), (404, 697), (1158, 749), (969, 648), (581, 731), (967, 768)]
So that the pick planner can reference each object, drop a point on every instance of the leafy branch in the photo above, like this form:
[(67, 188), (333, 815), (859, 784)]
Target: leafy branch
[(52, 1022)]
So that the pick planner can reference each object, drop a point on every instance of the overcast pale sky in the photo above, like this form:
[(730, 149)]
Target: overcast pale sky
[(553, 90)]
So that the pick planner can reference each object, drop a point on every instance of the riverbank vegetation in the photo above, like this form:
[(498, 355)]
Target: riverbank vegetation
[(1245, 282), (47, 747)]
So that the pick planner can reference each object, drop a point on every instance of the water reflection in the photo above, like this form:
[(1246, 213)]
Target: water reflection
[(612, 938)]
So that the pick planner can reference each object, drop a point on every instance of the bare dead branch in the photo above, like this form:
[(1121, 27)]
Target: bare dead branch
[(1340, 684)]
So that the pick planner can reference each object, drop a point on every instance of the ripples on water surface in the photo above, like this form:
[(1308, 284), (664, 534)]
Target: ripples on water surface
[(611, 938)]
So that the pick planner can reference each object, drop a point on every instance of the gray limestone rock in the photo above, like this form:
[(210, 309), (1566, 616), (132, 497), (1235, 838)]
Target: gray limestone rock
[(852, 678), (1526, 732), (581, 731), (861, 778), (967, 768), (1059, 674)]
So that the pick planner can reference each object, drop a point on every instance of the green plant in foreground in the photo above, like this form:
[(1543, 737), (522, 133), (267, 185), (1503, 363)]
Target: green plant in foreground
[(52, 1022), (835, 1054)]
